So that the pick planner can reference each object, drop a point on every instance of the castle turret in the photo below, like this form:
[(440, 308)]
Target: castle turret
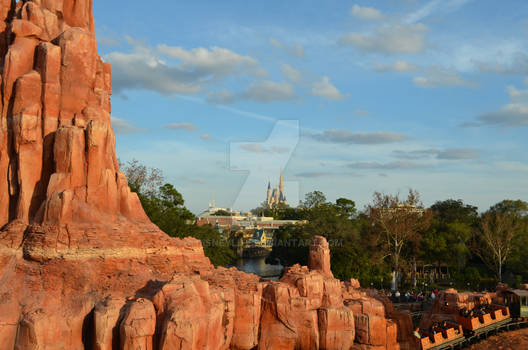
[(282, 196), (268, 195)]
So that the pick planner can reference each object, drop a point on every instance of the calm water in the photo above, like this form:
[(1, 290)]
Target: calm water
[(259, 267)]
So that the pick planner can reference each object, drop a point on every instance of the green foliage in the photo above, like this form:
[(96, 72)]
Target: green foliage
[(281, 211), (451, 229), (165, 207), (222, 212), (338, 222)]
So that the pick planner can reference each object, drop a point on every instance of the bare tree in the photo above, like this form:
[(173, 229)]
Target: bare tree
[(398, 222), (140, 178), (495, 239)]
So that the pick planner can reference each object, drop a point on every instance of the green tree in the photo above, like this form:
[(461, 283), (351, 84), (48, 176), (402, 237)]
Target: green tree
[(165, 207), (313, 200), (451, 229), (338, 222), (221, 212)]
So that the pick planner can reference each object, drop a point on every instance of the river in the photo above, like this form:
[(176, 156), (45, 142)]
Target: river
[(259, 267)]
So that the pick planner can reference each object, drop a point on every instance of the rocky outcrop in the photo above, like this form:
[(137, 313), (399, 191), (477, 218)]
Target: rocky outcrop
[(82, 267)]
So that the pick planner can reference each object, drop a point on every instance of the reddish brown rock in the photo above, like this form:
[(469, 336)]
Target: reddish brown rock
[(107, 315), (319, 258), (138, 326), (336, 328), (72, 233)]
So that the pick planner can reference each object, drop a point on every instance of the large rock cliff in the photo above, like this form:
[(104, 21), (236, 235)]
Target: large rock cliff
[(82, 267)]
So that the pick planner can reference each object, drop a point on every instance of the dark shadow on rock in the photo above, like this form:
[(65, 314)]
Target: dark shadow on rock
[(88, 332)]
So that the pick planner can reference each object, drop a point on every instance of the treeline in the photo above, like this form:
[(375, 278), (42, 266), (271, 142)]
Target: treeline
[(165, 207), (388, 240), (392, 237)]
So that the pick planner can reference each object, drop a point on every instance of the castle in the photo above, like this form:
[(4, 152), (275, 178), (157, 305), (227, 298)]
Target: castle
[(277, 196)]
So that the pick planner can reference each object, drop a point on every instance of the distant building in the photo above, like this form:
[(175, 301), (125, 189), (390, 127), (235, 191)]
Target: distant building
[(276, 196)]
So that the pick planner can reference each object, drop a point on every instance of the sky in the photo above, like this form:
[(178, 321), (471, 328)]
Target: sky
[(344, 97)]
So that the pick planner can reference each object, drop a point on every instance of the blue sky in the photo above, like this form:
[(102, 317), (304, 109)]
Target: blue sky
[(345, 97)]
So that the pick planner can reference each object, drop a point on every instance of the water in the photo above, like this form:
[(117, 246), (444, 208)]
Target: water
[(259, 267)]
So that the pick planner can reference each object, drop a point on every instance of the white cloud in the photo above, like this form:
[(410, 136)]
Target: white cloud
[(366, 13), (415, 154), (513, 114), (391, 39), (143, 68), (291, 74), (182, 126), (215, 61), (121, 126), (459, 154), (269, 91), (325, 89), (436, 76), (296, 50), (398, 66), (206, 137), (398, 165), (261, 91), (516, 95), (513, 63), (497, 55), (364, 138)]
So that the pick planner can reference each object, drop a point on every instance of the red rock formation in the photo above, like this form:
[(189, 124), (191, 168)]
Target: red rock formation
[(82, 267)]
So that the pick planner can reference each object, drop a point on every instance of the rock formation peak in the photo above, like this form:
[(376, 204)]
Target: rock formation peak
[(58, 164)]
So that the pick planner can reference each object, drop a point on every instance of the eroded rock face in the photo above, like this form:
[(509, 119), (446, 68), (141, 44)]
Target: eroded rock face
[(82, 267)]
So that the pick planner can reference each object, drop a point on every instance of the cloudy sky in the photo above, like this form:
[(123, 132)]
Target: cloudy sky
[(345, 97)]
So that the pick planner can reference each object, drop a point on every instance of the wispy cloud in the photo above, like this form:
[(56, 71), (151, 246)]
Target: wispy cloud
[(296, 50), (366, 13), (459, 154), (291, 74), (435, 6), (436, 76), (364, 138), (390, 39), (464, 153), (121, 126), (398, 165), (258, 148), (325, 89), (182, 126), (513, 114), (398, 66)]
